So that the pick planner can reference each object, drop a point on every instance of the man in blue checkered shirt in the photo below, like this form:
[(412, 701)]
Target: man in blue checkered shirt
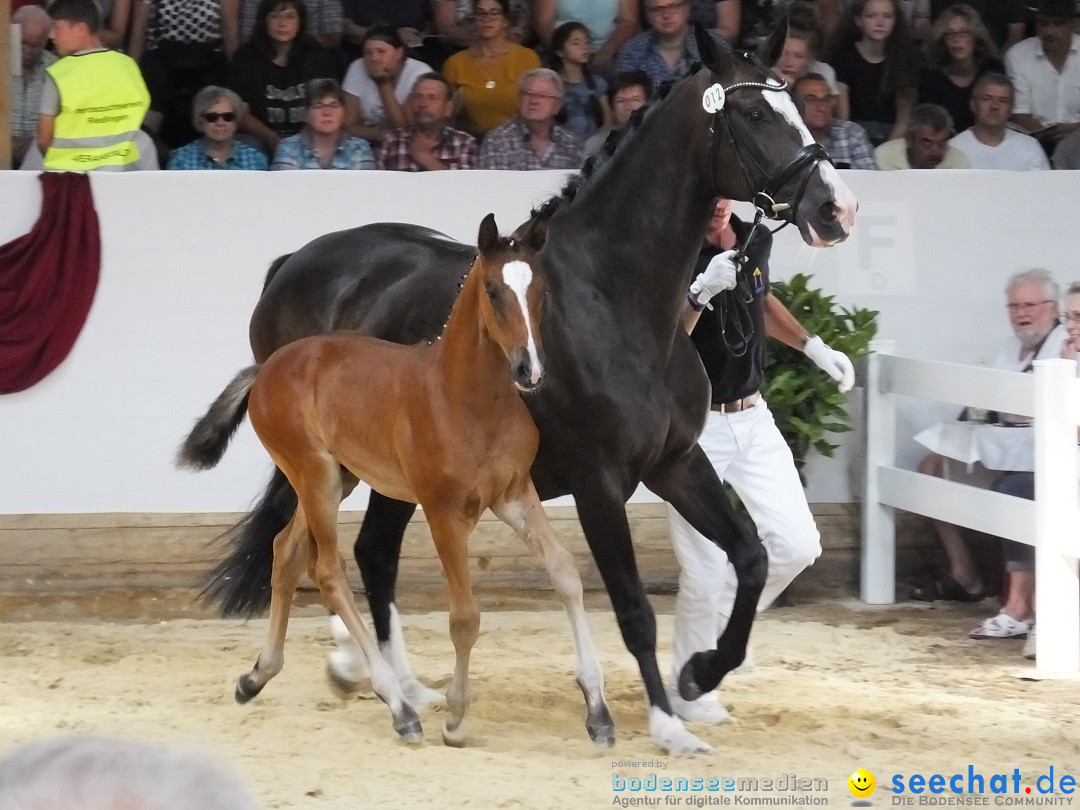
[(668, 50), (846, 141)]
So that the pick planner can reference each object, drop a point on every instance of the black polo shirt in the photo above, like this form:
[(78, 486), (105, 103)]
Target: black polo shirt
[(734, 377)]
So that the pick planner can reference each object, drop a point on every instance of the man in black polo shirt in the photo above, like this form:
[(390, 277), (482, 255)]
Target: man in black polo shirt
[(742, 441)]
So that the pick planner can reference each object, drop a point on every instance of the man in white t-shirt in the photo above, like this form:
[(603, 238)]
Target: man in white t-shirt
[(988, 143)]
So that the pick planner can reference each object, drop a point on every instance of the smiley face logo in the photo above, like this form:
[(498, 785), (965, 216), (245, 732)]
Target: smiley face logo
[(862, 783)]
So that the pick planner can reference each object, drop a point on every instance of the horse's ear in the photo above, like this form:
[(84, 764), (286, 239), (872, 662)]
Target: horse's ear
[(488, 237), (708, 50), (770, 48), (536, 234)]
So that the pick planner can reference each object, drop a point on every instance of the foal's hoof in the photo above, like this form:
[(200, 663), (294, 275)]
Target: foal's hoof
[(601, 728), (407, 724), (341, 686), (246, 689), (455, 737)]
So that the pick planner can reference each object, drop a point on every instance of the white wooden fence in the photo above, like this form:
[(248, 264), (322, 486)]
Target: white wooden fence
[(1051, 522)]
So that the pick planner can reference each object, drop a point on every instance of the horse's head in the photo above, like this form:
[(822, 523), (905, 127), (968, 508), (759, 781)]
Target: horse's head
[(513, 296), (756, 128)]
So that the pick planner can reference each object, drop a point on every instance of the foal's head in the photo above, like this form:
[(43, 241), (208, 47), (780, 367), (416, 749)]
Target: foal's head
[(514, 289)]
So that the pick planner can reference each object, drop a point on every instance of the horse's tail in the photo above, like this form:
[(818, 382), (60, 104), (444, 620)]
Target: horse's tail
[(240, 584), (206, 444)]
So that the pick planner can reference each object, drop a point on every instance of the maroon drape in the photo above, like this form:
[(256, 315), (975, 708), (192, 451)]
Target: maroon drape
[(47, 282)]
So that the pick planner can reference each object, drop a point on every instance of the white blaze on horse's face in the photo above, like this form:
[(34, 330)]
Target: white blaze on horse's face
[(844, 198), (518, 276)]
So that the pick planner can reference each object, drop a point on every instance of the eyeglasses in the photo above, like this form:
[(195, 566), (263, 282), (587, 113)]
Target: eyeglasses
[(1072, 317), (290, 16), (819, 100), (327, 105), (534, 94), (492, 14), (670, 8), (211, 117), (1027, 306)]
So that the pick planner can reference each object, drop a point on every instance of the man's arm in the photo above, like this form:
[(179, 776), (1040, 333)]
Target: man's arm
[(782, 325), (46, 125)]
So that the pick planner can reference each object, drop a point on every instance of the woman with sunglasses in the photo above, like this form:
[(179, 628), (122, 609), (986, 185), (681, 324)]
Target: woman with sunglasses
[(487, 72), (216, 113)]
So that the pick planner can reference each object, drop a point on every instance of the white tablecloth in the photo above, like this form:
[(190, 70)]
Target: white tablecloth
[(994, 446)]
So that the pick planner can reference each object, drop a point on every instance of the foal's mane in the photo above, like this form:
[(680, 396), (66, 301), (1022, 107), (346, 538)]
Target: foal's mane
[(596, 162)]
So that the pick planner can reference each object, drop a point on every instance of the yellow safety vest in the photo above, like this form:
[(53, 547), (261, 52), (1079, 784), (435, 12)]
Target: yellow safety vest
[(103, 100)]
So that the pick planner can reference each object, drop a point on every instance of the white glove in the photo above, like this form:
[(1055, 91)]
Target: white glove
[(718, 276), (832, 362)]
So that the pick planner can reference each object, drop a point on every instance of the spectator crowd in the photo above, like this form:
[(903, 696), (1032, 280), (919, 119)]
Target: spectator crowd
[(423, 85)]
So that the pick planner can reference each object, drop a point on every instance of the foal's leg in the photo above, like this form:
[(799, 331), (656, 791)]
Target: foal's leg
[(293, 547), (451, 534), (320, 492), (377, 549), (524, 513)]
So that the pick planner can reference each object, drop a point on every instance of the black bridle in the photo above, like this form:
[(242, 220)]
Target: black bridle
[(765, 203)]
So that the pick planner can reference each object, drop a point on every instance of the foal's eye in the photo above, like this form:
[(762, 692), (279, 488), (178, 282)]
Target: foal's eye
[(492, 291)]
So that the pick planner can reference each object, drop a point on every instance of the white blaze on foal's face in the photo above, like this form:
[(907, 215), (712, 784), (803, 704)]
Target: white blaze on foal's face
[(517, 275), (846, 203)]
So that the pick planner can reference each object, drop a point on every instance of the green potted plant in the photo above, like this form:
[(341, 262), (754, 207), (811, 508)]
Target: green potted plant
[(804, 401)]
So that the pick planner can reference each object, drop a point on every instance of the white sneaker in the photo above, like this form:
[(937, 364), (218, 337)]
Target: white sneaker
[(707, 709), (1029, 644)]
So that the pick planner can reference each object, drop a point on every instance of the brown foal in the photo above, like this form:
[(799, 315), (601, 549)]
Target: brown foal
[(441, 425)]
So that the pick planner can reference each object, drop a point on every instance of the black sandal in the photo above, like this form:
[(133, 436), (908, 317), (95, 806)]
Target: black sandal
[(945, 589)]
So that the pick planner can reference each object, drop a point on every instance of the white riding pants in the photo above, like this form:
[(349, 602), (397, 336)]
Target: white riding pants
[(747, 451)]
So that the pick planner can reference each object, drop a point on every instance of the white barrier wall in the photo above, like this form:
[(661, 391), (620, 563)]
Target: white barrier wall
[(185, 255)]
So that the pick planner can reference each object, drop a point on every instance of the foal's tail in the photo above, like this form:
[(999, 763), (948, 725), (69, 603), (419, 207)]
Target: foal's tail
[(206, 444), (240, 584)]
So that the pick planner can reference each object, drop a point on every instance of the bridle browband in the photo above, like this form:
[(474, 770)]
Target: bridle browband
[(765, 200)]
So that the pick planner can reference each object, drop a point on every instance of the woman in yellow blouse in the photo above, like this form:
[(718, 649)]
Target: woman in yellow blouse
[(486, 74)]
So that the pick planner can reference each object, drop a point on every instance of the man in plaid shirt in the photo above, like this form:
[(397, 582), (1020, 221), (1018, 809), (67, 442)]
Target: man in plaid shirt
[(532, 140), (429, 144), (846, 141)]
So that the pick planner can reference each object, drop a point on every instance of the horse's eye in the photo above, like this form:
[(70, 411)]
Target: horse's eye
[(492, 291), (755, 115)]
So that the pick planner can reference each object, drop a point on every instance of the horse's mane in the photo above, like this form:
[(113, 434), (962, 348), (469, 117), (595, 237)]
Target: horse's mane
[(592, 166)]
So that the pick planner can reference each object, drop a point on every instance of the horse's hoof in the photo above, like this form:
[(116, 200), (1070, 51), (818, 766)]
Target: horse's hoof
[(601, 728), (407, 724), (245, 689), (455, 737), (669, 733), (341, 686), (688, 685)]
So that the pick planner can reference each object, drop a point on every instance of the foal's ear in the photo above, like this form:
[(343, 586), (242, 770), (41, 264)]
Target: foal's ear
[(708, 49), (536, 234), (488, 237)]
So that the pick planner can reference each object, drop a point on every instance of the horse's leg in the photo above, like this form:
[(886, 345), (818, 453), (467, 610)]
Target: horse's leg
[(451, 532), (292, 549), (321, 492), (603, 518), (377, 551), (525, 515), (690, 484)]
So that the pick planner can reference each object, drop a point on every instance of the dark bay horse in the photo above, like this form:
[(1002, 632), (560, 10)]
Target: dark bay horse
[(439, 424), (625, 395)]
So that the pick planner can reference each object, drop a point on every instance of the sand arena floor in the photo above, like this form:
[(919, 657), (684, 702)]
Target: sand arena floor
[(838, 686)]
